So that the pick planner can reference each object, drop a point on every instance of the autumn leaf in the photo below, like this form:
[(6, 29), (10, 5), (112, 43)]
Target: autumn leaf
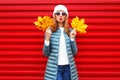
[(79, 25), (43, 23)]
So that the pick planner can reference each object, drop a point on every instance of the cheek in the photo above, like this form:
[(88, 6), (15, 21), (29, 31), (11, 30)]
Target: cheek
[(57, 18), (63, 18)]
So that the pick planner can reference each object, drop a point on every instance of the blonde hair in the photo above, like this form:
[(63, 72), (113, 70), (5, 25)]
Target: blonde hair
[(55, 26)]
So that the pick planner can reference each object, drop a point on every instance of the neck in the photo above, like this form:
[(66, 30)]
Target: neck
[(60, 24)]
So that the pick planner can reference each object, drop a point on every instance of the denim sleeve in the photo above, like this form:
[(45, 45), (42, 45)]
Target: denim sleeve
[(46, 49), (74, 47)]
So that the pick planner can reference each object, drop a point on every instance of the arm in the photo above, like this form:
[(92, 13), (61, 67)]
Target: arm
[(46, 47), (73, 41), (74, 46)]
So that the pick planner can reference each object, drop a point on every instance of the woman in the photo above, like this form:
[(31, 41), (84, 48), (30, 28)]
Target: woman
[(60, 47)]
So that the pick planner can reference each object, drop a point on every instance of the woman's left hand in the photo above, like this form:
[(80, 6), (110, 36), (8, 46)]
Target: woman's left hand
[(73, 33)]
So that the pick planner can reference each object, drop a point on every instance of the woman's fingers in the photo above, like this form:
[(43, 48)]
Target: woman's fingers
[(73, 32), (48, 30), (48, 33)]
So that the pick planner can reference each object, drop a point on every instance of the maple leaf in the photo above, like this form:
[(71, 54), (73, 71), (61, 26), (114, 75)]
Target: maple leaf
[(43, 23), (79, 24)]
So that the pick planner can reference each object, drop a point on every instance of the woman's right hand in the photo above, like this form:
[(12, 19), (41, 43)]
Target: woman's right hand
[(48, 33)]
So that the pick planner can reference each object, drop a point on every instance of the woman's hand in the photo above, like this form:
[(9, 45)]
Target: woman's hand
[(48, 33), (73, 34)]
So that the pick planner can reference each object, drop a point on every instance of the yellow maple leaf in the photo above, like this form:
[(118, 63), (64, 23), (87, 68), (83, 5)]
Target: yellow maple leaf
[(43, 22), (79, 25)]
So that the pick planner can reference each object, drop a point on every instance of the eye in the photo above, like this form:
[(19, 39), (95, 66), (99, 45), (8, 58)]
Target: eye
[(60, 13), (63, 13), (57, 13)]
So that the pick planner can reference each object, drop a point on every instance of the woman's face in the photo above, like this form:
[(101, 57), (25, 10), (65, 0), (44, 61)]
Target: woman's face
[(60, 16)]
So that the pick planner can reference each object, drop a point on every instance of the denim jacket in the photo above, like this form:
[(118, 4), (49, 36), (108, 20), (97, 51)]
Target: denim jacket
[(51, 52)]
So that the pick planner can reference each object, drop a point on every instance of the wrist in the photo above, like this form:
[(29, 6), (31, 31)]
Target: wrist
[(72, 39), (47, 39), (47, 43)]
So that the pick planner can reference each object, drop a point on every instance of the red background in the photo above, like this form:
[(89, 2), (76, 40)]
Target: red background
[(21, 43)]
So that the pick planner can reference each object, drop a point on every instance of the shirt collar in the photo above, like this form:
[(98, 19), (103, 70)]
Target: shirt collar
[(61, 28)]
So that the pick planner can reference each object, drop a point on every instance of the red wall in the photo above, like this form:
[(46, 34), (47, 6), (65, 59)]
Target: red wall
[(21, 43)]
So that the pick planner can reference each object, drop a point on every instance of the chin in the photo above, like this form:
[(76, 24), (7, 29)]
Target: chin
[(60, 21)]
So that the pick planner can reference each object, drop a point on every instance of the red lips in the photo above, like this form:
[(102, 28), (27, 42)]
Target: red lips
[(60, 18)]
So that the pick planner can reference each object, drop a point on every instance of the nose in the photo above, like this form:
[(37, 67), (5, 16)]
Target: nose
[(60, 14)]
